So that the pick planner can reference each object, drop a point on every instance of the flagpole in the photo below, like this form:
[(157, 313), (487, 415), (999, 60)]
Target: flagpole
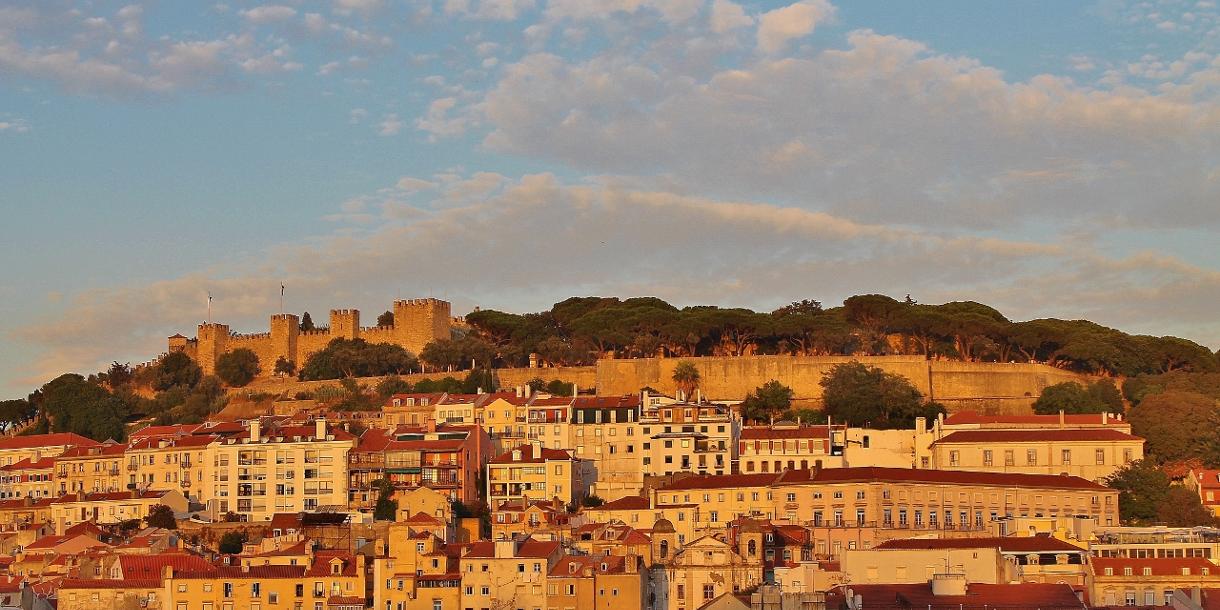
[(281, 297), (209, 308)]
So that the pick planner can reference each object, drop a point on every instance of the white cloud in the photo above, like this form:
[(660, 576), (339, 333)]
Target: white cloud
[(496, 10), (777, 27), (728, 15), (390, 125), (362, 7), (14, 125), (483, 246), (269, 13)]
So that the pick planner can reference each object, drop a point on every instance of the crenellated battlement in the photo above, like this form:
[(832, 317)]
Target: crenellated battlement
[(416, 323)]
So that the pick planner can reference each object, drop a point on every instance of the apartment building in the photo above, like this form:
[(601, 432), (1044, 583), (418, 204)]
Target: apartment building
[(508, 573), (34, 447), (447, 458), (412, 572), (175, 462), (285, 469), (789, 445), (596, 582), (685, 437), (1089, 453), (606, 432), (91, 469), (110, 508), (332, 580), (28, 478), (854, 507), (1206, 483), (410, 409), (531, 471), (1124, 581)]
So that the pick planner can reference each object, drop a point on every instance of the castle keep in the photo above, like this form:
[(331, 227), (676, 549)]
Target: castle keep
[(416, 323)]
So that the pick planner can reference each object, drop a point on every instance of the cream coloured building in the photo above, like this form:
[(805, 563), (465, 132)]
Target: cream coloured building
[(284, 469), (534, 472), (1092, 454)]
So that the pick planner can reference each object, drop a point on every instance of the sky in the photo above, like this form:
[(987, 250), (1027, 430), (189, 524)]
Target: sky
[(1048, 158)]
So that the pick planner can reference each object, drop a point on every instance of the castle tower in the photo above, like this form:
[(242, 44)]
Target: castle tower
[(177, 343), (213, 341), (345, 323), (418, 322), (285, 329)]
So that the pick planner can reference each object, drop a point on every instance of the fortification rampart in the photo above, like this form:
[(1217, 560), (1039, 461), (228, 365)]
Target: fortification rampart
[(988, 387), (416, 323), (983, 386)]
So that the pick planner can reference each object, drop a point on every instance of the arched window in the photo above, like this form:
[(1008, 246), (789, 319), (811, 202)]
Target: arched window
[(752, 548), (664, 549)]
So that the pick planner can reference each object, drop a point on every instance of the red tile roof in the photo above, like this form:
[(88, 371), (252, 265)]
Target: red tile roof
[(712, 481), (151, 566), (56, 439), (1035, 436), (623, 503), (174, 430), (528, 455), (27, 464), (573, 566), (972, 418), (1160, 566), (951, 477), (98, 451), (1007, 544), (767, 433), (528, 548), (105, 583), (1025, 596)]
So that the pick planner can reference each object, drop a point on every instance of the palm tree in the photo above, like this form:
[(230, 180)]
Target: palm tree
[(687, 378)]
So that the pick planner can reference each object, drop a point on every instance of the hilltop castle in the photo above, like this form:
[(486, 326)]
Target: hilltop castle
[(416, 323)]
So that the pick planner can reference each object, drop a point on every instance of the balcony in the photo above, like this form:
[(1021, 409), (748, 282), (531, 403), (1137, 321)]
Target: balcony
[(114, 472), (133, 467), (252, 462)]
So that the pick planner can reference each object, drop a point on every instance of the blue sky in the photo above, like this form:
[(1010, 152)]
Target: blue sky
[(1050, 158)]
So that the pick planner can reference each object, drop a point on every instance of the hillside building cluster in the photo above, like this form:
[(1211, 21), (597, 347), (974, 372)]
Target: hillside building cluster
[(643, 501)]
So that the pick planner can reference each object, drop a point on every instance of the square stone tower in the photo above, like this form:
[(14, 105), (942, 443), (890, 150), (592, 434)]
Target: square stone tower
[(418, 322)]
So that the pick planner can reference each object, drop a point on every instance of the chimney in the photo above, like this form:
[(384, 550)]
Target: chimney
[(430, 424), (505, 548), (1062, 418), (629, 563), (643, 397), (319, 431), (255, 430), (479, 390)]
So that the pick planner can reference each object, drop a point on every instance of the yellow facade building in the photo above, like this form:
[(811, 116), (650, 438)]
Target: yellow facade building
[(90, 469), (531, 471), (1092, 454)]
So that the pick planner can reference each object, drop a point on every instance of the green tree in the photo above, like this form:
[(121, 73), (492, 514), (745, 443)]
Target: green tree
[(285, 367), (357, 358), (392, 385), (772, 399), (1071, 397), (1178, 425), (536, 385), (875, 315), (307, 322), (72, 404), (686, 376), (1182, 507), (592, 501), (16, 410), (231, 542), (238, 367), (1142, 489), (862, 395), (386, 508), (176, 369), (385, 319), (161, 516), (560, 388)]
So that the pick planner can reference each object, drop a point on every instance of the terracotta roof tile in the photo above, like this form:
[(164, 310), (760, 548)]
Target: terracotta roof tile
[(1007, 544), (1034, 436), (55, 439)]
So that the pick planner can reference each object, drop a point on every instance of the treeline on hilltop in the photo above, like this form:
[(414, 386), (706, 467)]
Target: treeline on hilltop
[(579, 330)]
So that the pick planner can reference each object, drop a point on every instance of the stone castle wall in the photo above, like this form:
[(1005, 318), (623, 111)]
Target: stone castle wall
[(416, 323), (987, 387), (981, 386)]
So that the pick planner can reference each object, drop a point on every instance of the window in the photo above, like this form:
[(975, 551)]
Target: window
[(1128, 456), (953, 458), (1009, 459), (1031, 457), (709, 592), (1100, 456), (987, 457), (1066, 460)]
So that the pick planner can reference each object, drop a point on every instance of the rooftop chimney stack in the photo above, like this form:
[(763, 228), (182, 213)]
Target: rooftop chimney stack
[(256, 430), (319, 431)]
